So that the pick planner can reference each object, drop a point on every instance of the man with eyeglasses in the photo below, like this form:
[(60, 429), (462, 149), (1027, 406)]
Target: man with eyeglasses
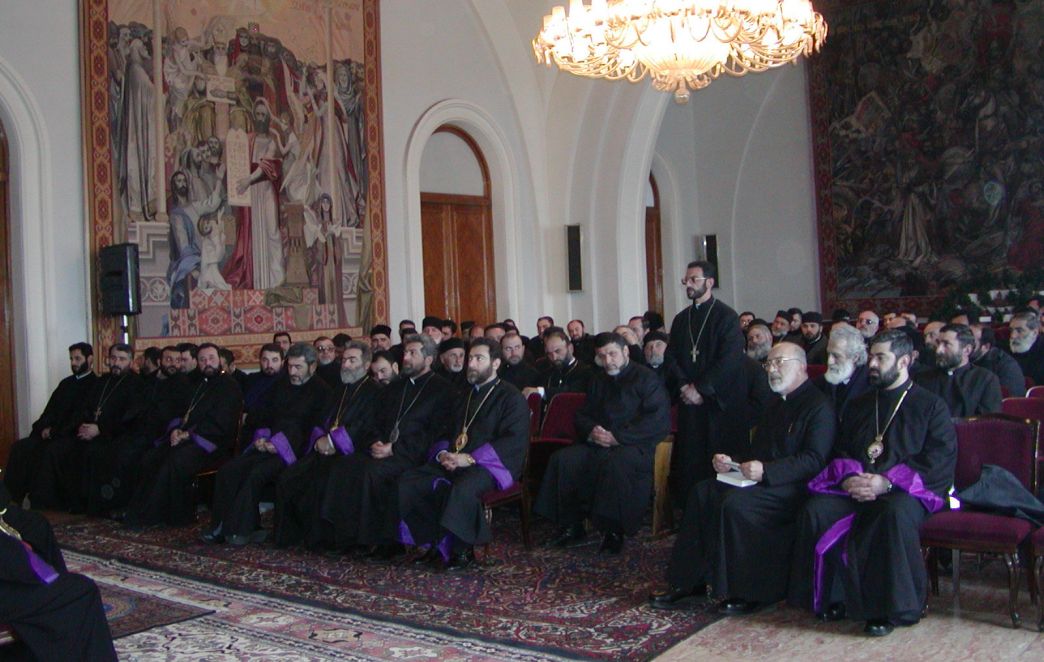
[(738, 540), (329, 367), (707, 345)]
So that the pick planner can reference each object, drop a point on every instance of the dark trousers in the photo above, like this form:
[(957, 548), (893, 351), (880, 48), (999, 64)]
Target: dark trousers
[(238, 489), (164, 493), (434, 502), (612, 486), (299, 498), (361, 499)]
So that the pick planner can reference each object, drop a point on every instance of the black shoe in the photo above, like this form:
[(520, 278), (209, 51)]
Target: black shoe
[(612, 543), (738, 607), (878, 627), (835, 612), (387, 552), (677, 598), (569, 536), (428, 557), (212, 536), (461, 560)]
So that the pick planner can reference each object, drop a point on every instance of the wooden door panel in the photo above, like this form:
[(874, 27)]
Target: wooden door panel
[(654, 259), (476, 287), (459, 277), (438, 265)]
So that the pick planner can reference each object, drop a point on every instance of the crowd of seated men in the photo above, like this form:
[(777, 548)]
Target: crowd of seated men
[(369, 448)]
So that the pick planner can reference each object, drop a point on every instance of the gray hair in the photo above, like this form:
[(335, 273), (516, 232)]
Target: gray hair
[(363, 347), (1029, 317), (428, 346), (852, 342), (302, 350)]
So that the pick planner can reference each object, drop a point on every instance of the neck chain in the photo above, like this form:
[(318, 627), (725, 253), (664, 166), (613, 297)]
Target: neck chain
[(105, 395), (462, 439), (876, 449), (7, 528), (564, 374), (195, 400), (340, 407), (696, 342), (394, 436)]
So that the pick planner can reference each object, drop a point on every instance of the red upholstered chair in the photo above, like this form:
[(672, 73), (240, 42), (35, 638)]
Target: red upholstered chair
[(1006, 442), (1028, 381), (1032, 409), (559, 426), (1037, 550), (517, 493), (815, 370), (1035, 392)]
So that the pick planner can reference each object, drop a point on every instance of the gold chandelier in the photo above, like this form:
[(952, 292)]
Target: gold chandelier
[(682, 44)]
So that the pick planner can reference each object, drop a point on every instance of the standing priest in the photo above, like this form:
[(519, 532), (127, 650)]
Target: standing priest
[(441, 502), (281, 429), (707, 345), (894, 462), (608, 474), (200, 436), (739, 540)]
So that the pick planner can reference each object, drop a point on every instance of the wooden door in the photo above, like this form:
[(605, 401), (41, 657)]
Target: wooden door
[(8, 420), (457, 234), (654, 252)]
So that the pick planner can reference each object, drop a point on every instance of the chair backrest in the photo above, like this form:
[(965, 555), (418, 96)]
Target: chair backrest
[(534, 401), (1027, 408), (1028, 381), (1035, 392), (998, 439), (816, 370), (559, 419)]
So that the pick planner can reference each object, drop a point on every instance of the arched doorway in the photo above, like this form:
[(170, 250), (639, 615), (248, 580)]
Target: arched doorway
[(8, 422), (653, 247), (457, 228)]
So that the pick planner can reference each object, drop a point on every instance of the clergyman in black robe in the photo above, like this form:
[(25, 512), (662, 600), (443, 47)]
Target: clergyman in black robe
[(967, 389), (58, 420), (988, 355), (440, 503), (607, 475), (515, 369), (201, 436), (707, 345), (738, 540), (412, 413), (281, 432), (1027, 344), (57, 614), (108, 412), (347, 422), (564, 373), (858, 548), (845, 378)]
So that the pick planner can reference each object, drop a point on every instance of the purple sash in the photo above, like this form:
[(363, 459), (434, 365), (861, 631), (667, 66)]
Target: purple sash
[(437, 448), (203, 443), (282, 446), (40, 568), (342, 441), (488, 459)]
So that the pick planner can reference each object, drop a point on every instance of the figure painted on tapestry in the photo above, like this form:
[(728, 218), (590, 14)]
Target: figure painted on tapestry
[(232, 212)]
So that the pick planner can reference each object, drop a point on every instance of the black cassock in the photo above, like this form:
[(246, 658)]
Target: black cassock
[(286, 420), (361, 492), (61, 416), (521, 375), (1007, 370), (349, 419), (572, 378), (57, 615), (843, 394), (611, 485), (967, 391), (1032, 362), (444, 508), (738, 540), (719, 422), (164, 492), (883, 573), (114, 404), (111, 469)]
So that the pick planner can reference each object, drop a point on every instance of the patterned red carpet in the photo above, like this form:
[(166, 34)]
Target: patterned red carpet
[(574, 603), (129, 612)]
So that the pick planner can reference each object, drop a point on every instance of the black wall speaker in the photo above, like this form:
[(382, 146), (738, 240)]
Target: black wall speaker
[(119, 279), (576, 275)]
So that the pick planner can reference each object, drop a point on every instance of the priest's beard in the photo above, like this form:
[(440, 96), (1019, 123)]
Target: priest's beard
[(655, 361), (883, 379), (779, 383), (759, 352), (476, 376), (947, 361), (349, 376), (1022, 345), (83, 369), (839, 372), (696, 292)]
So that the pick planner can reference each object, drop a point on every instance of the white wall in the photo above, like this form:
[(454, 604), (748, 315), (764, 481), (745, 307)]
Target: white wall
[(449, 166)]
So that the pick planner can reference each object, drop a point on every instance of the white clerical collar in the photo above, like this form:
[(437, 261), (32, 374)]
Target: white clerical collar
[(83, 375)]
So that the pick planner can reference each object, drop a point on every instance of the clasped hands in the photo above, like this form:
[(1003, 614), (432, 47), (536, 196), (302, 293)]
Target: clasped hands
[(752, 470), (603, 437), (866, 487), (87, 431), (265, 446), (177, 435), (451, 461), (690, 396)]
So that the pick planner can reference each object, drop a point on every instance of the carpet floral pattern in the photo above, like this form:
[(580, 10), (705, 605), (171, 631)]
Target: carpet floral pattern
[(574, 602), (130, 612)]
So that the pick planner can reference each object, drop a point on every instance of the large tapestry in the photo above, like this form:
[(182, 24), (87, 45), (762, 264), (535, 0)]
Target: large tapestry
[(238, 144), (928, 129)]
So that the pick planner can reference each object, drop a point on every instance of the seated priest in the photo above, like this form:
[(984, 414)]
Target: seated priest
[(607, 475), (411, 414), (200, 436), (104, 417), (440, 503), (281, 430), (967, 389), (57, 614), (450, 366), (515, 370), (845, 378), (1000, 363), (858, 549), (347, 423), (737, 540), (58, 420), (564, 373)]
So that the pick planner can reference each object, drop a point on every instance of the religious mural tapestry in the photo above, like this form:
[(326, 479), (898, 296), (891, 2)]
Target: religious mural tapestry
[(928, 129), (238, 144)]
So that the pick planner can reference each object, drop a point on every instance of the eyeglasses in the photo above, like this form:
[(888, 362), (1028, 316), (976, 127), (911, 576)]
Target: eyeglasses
[(692, 280), (778, 362), (324, 348)]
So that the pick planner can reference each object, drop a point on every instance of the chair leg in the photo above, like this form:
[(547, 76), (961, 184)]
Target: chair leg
[(1031, 579), (931, 562), (524, 508), (956, 556), (1012, 561), (1039, 580)]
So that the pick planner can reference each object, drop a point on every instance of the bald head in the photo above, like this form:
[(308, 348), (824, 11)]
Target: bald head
[(787, 368)]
